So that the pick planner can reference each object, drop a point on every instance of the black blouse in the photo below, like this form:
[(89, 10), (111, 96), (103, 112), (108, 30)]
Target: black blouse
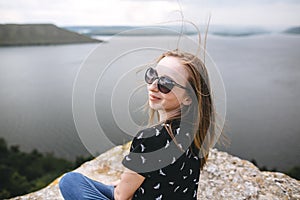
[(171, 169)]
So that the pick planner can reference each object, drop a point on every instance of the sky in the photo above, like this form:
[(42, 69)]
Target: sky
[(268, 13)]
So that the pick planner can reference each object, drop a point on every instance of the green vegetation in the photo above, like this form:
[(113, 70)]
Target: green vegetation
[(39, 34), (293, 172), (22, 173), (293, 30)]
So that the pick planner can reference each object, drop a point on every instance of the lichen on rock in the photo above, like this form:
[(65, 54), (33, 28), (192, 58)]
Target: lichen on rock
[(224, 177)]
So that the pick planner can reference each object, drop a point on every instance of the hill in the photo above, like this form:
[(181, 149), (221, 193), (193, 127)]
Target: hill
[(293, 30), (39, 34)]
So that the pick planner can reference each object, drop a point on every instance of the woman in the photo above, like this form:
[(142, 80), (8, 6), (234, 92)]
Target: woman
[(165, 159)]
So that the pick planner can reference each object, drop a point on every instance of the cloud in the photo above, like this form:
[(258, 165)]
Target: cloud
[(277, 13), (89, 12), (146, 12), (227, 2)]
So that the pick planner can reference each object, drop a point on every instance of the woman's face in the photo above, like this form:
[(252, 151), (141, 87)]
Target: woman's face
[(169, 103)]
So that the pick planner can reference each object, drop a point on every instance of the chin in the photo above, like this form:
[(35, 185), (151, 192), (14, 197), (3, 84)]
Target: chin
[(155, 106)]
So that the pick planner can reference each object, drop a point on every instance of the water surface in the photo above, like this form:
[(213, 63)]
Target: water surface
[(261, 76)]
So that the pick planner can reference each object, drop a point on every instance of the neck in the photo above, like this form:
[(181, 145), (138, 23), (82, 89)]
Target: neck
[(164, 115)]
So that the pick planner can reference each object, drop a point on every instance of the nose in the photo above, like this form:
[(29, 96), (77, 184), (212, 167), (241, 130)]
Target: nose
[(153, 86)]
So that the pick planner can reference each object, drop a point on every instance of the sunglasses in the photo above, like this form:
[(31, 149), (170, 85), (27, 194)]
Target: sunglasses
[(164, 84)]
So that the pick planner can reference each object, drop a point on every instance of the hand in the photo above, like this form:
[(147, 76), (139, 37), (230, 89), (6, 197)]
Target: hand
[(130, 181), (115, 183)]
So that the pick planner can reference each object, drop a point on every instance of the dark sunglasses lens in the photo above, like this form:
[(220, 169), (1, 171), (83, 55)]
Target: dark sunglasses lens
[(150, 75), (165, 85)]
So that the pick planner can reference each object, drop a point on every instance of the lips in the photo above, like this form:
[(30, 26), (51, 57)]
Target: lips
[(153, 97)]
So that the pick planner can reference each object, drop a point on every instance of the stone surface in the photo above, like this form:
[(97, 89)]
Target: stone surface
[(224, 177)]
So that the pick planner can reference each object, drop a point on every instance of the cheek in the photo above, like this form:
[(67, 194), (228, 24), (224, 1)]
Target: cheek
[(172, 101)]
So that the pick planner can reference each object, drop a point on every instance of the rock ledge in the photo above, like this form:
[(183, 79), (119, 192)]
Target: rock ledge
[(224, 177)]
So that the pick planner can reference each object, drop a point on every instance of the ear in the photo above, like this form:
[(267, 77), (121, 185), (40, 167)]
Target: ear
[(187, 101)]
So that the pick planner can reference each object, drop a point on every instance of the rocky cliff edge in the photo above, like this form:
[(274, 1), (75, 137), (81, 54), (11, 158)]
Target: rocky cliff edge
[(224, 177)]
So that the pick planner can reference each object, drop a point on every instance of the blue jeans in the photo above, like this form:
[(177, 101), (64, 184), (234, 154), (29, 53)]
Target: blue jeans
[(74, 186)]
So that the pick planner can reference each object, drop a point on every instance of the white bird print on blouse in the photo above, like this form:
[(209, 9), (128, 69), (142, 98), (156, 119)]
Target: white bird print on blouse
[(142, 148), (141, 135), (174, 160), (167, 144), (127, 158), (182, 167), (143, 159), (142, 190), (157, 186), (161, 172), (187, 152), (195, 193), (185, 172), (157, 132)]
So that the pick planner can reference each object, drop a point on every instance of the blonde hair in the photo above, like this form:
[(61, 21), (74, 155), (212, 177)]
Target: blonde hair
[(201, 112)]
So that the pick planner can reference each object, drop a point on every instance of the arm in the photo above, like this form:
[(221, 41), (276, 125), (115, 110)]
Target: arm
[(129, 183)]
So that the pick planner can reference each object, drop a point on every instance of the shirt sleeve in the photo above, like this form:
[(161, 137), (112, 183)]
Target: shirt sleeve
[(139, 159), (153, 149)]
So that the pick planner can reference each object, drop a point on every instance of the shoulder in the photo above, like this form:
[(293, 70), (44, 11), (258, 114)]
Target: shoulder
[(151, 137)]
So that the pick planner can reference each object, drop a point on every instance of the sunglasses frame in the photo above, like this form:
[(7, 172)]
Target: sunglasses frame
[(159, 85)]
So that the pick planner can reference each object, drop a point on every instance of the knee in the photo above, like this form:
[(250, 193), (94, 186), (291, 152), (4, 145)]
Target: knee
[(69, 181)]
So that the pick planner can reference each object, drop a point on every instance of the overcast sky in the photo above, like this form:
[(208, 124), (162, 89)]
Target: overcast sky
[(147, 12)]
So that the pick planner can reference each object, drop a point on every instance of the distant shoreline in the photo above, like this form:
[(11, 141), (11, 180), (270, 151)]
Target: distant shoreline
[(39, 34), (49, 34), (219, 30)]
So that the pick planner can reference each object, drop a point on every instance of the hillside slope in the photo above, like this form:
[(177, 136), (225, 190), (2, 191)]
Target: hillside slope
[(39, 34)]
